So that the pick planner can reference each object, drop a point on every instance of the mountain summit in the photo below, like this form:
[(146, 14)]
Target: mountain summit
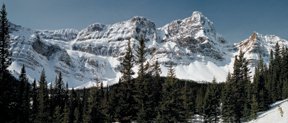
[(94, 53)]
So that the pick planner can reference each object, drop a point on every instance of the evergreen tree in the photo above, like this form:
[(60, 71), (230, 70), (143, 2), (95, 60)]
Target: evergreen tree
[(276, 73), (5, 57), (85, 106), (143, 92), (97, 114), (42, 98), (285, 90), (58, 94), (260, 86), (171, 106), (127, 64), (187, 104), (123, 97), (8, 95), (35, 103), (212, 103), (240, 80), (254, 108), (66, 113), (228, 106), (58, 116), (155, 87), (24, 100), (73, 99)]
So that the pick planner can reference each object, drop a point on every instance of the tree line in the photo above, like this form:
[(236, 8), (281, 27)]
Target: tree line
[(146, 98)]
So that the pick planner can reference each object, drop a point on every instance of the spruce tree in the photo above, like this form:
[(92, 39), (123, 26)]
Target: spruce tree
[(187, 102), (254, 108), (42, 98), (24, 100), (171, 106), (5, 57), (58, 115), (212, 103), (126, 103), (240, 80), (85, 106), (228, 114), (58, 95), (73, 99), (277, 72), (127, 64), (97, 110), (259, 86), (35, 103)]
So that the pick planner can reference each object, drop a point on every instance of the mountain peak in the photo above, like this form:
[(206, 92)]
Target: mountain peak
[(197, 14), (254, 36)]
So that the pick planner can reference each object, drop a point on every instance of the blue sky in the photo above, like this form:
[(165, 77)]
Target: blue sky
[(234, 19)]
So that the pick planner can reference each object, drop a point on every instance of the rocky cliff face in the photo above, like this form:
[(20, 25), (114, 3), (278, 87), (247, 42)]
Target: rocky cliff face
[(260, 45), (94, 53)]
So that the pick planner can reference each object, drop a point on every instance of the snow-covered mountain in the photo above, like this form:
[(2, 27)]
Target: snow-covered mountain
[(94, 53), (260, 45)]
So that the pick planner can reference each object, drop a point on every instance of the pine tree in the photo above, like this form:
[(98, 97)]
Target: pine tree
[(240, 80), (126, 65), (171, 106), (187, 104), (254, 108), (73, 99), (85, 106), (97, 111), (285, 90), (5, 57), (58, 116), (212, 103), (35, 103), (143, 92), (123, 97), (140, 55), (155, 87), (24, 100), (228, 106), (277, 72), (66, 114), (8, 96), (42, 98), (58, 94), (260, 86)]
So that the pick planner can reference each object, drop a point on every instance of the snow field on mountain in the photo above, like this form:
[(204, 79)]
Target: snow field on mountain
[(277, 114)]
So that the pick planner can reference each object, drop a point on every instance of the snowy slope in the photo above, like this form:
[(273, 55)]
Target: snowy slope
[(274, 115), (258, 44), (94, 53)]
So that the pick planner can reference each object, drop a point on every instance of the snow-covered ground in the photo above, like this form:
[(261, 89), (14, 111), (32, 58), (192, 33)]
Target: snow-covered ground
[(277, 114)]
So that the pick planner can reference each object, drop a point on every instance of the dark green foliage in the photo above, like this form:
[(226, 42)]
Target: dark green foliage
[(212, 103), (5, 57), (259, 86), (72, 105), (254, 108), (23, 97), (171, 105), (8, 98), (237, 104), (35, 103), (126, 65), (42, 99), (97, 114), (58, 116)]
